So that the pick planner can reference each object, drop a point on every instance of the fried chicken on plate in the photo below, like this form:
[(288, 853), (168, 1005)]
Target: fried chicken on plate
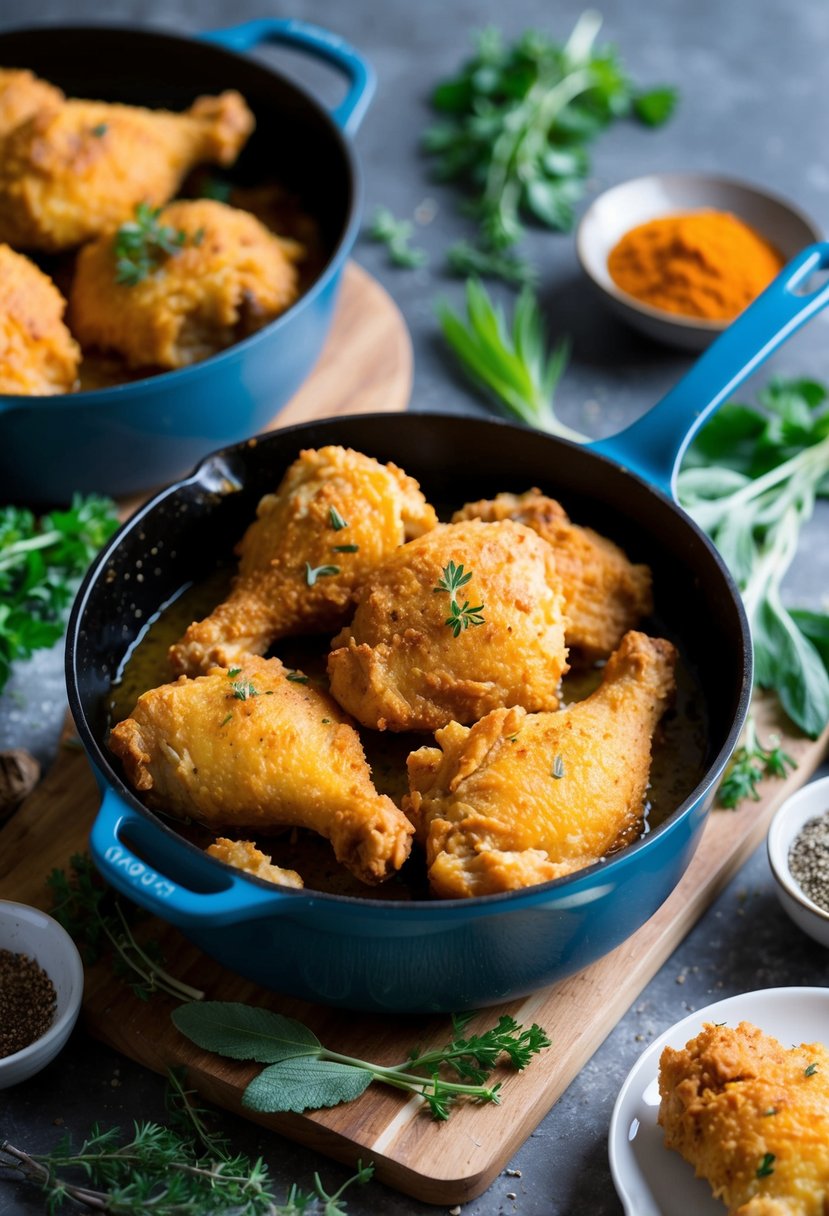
[(38, 355), (76, 169), (334, 516), (249, 748), (226, 278), (407, 662), (752, 1117), (605, 594), (22, 94), (520, 798)]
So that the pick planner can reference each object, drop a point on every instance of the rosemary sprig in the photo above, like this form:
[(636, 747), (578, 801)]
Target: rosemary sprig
[(142, 245), (461, 616)]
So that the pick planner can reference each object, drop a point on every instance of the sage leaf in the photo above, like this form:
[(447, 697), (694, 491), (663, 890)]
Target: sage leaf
[(815, 626), (305, 1084), (788, 662), (245, 1032)]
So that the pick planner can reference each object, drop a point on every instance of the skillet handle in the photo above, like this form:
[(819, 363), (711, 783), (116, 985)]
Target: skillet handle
[(654, 445), (320, 43), (202, 893)]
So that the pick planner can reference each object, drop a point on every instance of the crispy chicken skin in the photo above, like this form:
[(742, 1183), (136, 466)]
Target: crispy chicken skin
[(295, 533), (244, 855), (752, 1117), (249, 748), (38, 355), (605, 595), (520, 798), (76, 169), (22, 94), (399, 666), (229, 278)]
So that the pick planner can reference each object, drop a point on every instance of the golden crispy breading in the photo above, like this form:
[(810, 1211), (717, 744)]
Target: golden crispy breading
[(249, 748), (23, 94), (605, 595), (244, 855), (229, 278), (331, 501), (399, 666), (522, 798), (752, 1117), (78, 169), (38, 355)]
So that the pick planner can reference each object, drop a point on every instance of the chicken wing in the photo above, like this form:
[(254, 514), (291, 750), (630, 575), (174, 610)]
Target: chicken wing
[(244, 855), (335, 515), (466, 618), (38, 355), (77, 169), (251, 748), (605, 595), (226, 277), (522, 798), (752, 1118), (23, 94)]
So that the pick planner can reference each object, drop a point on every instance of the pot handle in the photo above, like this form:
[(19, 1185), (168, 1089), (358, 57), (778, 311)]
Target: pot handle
[(199, 894), (654, 445), (318, 42)]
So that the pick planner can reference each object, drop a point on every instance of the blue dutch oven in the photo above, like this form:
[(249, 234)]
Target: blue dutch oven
[(436, 955), (139, 434)]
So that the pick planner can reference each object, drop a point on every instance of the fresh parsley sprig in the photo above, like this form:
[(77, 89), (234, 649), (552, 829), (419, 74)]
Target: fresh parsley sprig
[(143, 244), (750, 763), (510, 362), (461, 616), (302, 1074)]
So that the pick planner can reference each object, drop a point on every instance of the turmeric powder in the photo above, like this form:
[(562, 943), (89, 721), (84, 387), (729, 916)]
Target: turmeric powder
[(704, 264)]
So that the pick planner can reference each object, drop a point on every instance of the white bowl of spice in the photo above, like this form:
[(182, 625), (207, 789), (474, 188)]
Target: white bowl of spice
[(41, 983), (798, 849)]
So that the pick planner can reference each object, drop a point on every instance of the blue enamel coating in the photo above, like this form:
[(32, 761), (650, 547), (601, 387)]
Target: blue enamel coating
[(317, 41), (654, 445)]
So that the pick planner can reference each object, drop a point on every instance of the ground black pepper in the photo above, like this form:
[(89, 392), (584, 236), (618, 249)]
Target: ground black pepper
[(809, 860), (27, 1002)]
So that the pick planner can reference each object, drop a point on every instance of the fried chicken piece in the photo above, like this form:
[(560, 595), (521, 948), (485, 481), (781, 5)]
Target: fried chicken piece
[(405, 663), (227, 278), (244, 855), (23, 94), (335, 515), (76, 169), (752, 1118), (521, 798), (605, 594), (38, 355), (249, 748)]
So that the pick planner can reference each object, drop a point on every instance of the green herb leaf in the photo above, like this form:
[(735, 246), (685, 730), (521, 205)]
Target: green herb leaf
[(336, 520), (395, 235), (810, 1071), (471, 261), (655, 106), (313, 573), (558, 767), (142, 245), (296, 677), (461, 616), (766, 1167), (750, 764), (100, 130), (243, 690), (305, 1084), (245, 1032), (226, 719), (345, 548)]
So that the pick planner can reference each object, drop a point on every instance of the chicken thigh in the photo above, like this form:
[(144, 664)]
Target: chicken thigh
[(225, 277), (38, 355), (465, 619), (520, 798), (22, 94), (77, 169), (335, 515), (249, 747), (752, 1117), (605, 594)]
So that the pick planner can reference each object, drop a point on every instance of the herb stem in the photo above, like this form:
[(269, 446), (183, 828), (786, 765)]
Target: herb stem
[(156, 975)]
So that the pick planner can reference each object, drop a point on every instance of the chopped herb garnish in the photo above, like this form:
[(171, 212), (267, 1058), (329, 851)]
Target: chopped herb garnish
[(345, 548), (772, 1110), (312, 573), (766, 1166), (234, 671), (243, 690), (142, 245), (100, 130), (512, 738), (296, 677), (336, 520), (461, 616), (326, 721), (226, 719), (810, 1071), (558, 767)]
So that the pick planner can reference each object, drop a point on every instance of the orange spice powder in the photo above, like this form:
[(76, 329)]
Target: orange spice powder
[(704, 264)]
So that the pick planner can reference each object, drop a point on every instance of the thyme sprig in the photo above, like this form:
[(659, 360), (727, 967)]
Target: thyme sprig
[(461, 616), (750, 763), (143, 244)]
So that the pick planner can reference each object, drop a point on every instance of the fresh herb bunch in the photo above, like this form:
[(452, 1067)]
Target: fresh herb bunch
[(517, 120), (396, 235), (304, 1075), (143, 244), (750, 763), (183, 1170), (512, 363), (41, 564), (470, 261), (97, 920), (750, 480)]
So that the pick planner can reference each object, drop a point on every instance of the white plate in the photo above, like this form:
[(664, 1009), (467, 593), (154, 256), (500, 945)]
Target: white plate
[(652, 1180)]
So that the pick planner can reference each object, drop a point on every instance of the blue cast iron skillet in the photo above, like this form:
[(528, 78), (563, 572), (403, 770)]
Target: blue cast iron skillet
[(435, 955), (144, 433)]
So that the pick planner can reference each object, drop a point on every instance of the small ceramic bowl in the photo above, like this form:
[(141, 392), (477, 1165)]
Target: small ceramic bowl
[(635, 202), (25, 930), (806, 804)]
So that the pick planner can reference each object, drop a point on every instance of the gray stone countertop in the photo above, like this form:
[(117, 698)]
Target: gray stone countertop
[(751, 76)]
